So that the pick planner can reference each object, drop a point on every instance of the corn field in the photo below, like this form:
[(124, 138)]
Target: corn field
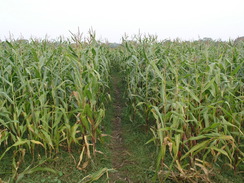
[(51, 96), (189, 94)]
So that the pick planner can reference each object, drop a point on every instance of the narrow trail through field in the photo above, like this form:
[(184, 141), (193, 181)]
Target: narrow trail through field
[(120, 154)]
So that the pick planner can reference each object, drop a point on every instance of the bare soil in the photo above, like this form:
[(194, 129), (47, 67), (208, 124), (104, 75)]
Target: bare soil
[(120, 154)]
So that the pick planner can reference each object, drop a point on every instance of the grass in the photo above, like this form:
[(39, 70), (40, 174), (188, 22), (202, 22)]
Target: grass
[(141, 157)]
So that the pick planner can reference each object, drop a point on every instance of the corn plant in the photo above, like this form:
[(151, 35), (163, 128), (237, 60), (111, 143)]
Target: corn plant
[(52, 95), (191, 95)]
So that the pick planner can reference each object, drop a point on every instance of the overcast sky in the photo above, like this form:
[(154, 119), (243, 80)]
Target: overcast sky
[(169, 19)]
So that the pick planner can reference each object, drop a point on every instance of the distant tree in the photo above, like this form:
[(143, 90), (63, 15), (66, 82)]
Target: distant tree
[(207, 39), (22, 40), (113, 45), (239, 39)]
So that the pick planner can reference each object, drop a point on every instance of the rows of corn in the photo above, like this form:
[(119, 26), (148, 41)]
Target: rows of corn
[(52, 97), (191, 96)]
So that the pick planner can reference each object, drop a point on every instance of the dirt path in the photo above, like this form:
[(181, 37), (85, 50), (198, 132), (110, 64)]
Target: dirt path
[(120, 154)]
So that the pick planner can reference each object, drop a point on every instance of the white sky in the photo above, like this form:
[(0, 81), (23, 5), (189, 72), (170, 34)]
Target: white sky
[(184, 19)]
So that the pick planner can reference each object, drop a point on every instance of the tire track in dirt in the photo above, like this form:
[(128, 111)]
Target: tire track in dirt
[(120, 154)]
